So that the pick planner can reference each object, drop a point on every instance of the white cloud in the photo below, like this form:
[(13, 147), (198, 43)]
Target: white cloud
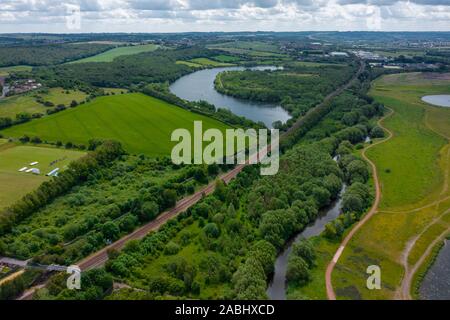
[(226, 15)]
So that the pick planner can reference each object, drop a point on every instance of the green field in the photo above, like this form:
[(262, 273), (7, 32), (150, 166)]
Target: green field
[(248, 45), (143, 124), (209, 63), (13, 105), (5, 71), (190, 64), (412, 168), (226, 59), (15, 184), (204, 62), (110, 55)]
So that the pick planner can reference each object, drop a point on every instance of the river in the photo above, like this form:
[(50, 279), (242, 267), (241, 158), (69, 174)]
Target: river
[(277, 287), (200, 86)]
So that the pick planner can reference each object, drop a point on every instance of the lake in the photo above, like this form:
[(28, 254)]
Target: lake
[(200, 86), (442, 100), (436, 284)]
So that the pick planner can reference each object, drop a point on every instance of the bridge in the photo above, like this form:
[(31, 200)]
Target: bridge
[(15, 263)]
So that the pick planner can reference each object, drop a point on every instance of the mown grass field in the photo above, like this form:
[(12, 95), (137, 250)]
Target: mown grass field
[(110, 55), (412, 166), (5, 71), (11, 106), (143, 124), (14, 184)]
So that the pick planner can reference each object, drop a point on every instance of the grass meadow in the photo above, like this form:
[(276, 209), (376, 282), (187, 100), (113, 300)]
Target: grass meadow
[(110, 55), (5, 71), (412, 167), (11, 106), (141, 123), (15, 184)]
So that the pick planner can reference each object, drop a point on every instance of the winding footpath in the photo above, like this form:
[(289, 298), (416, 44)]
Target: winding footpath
[(328, 275), (404, 291), (99, 258)]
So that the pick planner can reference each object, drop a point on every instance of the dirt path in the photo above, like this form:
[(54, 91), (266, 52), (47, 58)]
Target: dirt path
[(328, 275), (404, 292), (11, 277)]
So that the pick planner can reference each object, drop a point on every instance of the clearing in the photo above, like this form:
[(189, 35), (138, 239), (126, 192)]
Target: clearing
[(110, 55), (14, 184), (11, 106)]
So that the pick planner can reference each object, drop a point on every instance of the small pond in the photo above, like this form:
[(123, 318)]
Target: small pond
[(442, 100)]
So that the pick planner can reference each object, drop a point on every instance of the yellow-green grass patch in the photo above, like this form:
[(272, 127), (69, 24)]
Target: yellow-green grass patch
[(190, 64), (411, 167), (6, 71), (14, 184), (110, 55), (11, 106)]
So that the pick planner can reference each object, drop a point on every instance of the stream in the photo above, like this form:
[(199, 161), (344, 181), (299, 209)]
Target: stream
[(277, 287)]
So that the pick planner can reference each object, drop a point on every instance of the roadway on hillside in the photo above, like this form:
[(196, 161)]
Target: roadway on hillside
[(99, 258), (328, 275)]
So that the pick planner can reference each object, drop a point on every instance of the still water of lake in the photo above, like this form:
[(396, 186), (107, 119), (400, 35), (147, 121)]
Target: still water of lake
[(200, 86), (436, 284), (442, 100)]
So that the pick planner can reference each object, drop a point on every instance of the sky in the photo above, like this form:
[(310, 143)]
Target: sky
[(55, 16)]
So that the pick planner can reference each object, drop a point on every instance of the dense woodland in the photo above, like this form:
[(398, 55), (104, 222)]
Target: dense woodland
[(99, 199), (41, 55), (125, 71), (297, 89)]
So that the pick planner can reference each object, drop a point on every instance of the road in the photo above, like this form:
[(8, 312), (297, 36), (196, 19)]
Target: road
[(99, 258), (328, 275)]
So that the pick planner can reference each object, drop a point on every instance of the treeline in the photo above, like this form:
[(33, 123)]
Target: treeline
[(42, 55), (113, 201), (149, 67), (162, 92), (77, 172)]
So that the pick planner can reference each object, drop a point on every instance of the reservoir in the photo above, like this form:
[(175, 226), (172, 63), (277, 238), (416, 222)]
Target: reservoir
[(436, 284), (277, 287), (200, 86), (438, 100)]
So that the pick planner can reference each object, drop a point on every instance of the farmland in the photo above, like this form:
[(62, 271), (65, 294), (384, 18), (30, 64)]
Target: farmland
[(14, 184), (110, 55), (143, 124), (412, 166), (204, 62), (5, 71), (11, 106)]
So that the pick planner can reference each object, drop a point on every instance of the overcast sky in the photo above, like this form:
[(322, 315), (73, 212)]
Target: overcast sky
[(222, 15)]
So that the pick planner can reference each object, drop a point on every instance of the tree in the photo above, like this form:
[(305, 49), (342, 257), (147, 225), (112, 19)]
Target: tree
[(297, 271), (305, 250), (377, 132), (211, 230), (169, 198), (110, 231), (149, 211), (357, 171)]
